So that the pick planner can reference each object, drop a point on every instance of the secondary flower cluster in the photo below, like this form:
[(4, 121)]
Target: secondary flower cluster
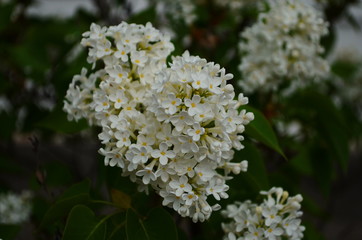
[(172, 128), (15, 208), (283, 45), (278, 217), (178, 10)]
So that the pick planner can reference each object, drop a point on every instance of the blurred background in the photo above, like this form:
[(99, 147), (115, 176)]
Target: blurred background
[(44, 153)]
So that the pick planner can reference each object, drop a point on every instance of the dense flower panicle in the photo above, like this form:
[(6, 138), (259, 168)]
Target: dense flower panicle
[(193, 101), (131, 55), (15, 208), (171, 128), (284, 44), (276, 218)]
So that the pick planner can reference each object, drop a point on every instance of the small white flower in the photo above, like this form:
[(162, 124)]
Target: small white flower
[(122, 52), (255, 233), (105, 135), (291, 225), (139, 58), (145, 141), (194, 105), (117, 73), (164, 173), (165, 135), (196, 132), (271, 216), (181, 185), (163, 154), (102, 103), (119, 99), (123, 139), (187, 145), (216, 189), (137, 155), (147, 175), (181, 120), (189, 198), (170, 198), (171, 104), (273, 232)]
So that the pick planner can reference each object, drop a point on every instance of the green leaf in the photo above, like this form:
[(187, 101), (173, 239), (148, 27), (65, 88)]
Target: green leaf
[(77, 194), (9, 232), (311, 233), (135, 229), (302, 161), (338, 143), (6, 10), (78, 188), (345, 69), (8, 120), (147, 15), (256, 176), (160, 225), (319, 111), (120, 199), (260, 130), (57, 121), (83, 224)]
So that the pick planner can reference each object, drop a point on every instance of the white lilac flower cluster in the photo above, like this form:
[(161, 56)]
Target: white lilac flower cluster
[(179, 10), (171, 128), (131, 55), (276, 218), (283, 45), (15, 208)]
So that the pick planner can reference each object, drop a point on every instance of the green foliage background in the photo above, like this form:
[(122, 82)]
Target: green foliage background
[(76, 197)]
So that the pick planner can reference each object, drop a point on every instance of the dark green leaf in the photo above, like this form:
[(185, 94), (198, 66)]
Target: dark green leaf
[(78, 188), (6, 10), (77, 194), (147, 15), (311, 233), (302, 161), (256, 175), (58, 122), (9, 232), (135, 229), (160, 225), (320, 112), (261, 130), (8, 120), (83, 224), (345, 69)]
